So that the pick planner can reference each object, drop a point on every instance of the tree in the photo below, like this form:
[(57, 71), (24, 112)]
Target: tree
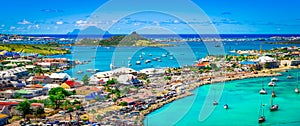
[(39, 112), (85, 79), (24, 108), (58, 94), (123, 103), (66, 104)]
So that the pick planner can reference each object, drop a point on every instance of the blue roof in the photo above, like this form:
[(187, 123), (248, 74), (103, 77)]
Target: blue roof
[(93, 95), (20, 85), (248, 62)]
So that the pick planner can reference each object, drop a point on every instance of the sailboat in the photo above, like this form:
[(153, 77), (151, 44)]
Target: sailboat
[(262, 117), (289, 76), (273, 92), (263, 90), (273, 107), (297, 89), (272, 83), (215, 103)]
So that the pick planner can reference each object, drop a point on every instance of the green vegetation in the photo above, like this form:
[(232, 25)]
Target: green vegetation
[(284, 42), (24, 108), (56, 95), (40, 49), (133, 39), (85, 79)]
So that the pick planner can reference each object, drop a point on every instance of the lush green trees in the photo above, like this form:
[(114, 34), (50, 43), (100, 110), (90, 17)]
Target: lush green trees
[(40, 111), (58, 94), (24, 108), (123, 103), (85, 79)]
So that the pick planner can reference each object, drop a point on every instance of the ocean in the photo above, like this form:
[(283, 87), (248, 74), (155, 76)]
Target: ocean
[(241, 95), (184, 53), (244, 102)]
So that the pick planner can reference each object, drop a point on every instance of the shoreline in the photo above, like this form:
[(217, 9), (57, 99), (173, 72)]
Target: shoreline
[(193, 86)]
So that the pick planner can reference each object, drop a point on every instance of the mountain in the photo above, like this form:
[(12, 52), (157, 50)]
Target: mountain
[(134, 39)]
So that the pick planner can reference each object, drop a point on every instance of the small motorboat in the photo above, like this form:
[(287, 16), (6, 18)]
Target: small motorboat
[(289, 77), (274, 79), (138, 62), (226, 106), (272, 83), (262, 91), (164, 55), (147, 61), (79, 72), (150, 54), (215, 103)]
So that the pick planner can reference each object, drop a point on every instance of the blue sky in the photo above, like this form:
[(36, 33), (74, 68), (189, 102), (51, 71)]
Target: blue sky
[(226, 16)]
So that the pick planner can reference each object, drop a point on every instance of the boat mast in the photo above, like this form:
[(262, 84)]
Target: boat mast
[(297, 89)]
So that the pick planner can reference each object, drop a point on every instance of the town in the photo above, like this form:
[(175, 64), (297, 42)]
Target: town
[(36, 90)]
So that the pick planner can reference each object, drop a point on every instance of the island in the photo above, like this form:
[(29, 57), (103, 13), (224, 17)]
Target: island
[(134, 39)]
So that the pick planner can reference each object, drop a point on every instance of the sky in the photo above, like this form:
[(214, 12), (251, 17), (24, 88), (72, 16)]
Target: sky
[(151, 17)]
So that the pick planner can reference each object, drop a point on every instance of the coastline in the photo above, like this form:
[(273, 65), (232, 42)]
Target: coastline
[(262, 73)]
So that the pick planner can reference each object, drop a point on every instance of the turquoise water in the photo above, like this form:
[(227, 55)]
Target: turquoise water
[(244, 102), (184, 53)]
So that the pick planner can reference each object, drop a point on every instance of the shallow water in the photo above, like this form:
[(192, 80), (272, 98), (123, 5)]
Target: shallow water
[(244, 105), (185, 53)]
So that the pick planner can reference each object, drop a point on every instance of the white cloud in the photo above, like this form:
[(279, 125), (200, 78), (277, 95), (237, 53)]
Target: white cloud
[(80, 22), (59, 22), (176, 21), (12, 27), (37, 26), (24, 22)]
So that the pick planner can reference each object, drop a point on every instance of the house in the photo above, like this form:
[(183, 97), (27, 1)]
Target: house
[(35, 106), (10, 106), (59, 77), (94, 95), (18, 72), (41, 80), (290, 62), (129, 101), (3, 119), (7, 94), (32, 91)]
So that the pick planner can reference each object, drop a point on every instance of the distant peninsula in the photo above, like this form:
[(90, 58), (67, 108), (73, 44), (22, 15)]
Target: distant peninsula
[(284, 42), (134, 39)]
